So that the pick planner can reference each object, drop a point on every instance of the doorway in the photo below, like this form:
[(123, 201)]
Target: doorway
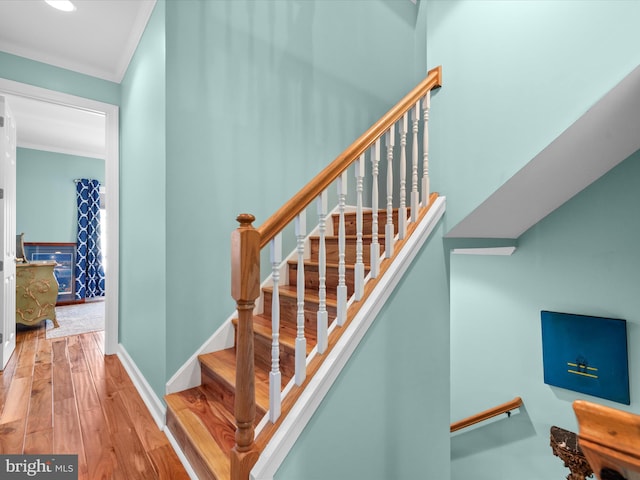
[(111, 114)]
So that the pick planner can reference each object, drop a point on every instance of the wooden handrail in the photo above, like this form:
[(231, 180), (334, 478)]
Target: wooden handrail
[(279, 220), (247, 242), (487, 414)]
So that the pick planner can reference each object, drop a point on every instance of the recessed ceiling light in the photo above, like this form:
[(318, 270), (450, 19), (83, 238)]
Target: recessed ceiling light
[(64, 5)]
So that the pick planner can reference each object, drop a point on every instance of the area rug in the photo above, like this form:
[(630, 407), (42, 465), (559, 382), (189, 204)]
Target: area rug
[(77, 319)]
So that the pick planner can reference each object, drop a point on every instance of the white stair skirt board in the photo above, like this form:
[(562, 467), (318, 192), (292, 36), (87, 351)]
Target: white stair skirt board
[(149, 397), (277, 449), (188, 376), (157, 409)]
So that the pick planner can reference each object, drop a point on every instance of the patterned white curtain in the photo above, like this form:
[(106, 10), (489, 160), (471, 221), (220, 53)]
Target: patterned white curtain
[(89, 270)]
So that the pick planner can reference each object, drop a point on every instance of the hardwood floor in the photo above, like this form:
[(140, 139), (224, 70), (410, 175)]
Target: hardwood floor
[(64, 396)]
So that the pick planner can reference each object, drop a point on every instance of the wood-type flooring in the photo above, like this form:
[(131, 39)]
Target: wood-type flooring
[(64, 396)]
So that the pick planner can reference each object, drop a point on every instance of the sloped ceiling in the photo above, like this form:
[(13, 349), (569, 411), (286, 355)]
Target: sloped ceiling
[(607, 134)]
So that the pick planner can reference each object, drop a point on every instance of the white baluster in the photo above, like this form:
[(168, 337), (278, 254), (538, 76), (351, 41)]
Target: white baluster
[(301, 341), (375, 246), (388, 229), (323, 323), (415, 195), (275, 379), (402, 212), (342, 284), (426, 105), (359, 268)]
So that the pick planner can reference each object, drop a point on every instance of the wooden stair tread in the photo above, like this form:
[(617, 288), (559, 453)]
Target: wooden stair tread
[(314, 263), (292, 292), (349, 237), (201, 418), (204, 429), (223, 365), (367, 211), (287, 338)]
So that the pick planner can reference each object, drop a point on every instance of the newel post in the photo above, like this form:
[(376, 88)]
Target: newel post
[(245, 288)]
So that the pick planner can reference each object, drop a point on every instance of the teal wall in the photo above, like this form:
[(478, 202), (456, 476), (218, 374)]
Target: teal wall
[(143, 249), (20, 69), (387, 416), (583, 259), (260, 97), (46, 208), (517, 74)]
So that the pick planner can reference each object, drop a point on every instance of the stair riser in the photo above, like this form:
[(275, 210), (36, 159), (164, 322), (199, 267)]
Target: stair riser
[(262, 354), (288, 312), (367, 222), (333, 249), (312, 278), (223, 392), (184, 440)]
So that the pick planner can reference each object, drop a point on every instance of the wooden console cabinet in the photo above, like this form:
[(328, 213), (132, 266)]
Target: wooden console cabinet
[(36, 292)]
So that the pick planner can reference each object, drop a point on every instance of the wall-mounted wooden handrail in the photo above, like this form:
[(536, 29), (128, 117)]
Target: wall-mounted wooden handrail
[(279, 220), (487, 414)]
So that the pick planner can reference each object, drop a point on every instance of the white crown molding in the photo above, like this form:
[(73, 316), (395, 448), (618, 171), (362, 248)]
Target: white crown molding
[(59, 61), (144, 14), (114, 74)]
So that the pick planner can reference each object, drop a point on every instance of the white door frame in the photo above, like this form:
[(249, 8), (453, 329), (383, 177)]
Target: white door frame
[(8, 254), (112, 197)]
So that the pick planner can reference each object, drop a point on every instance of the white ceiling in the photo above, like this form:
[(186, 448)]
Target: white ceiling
[(97, 39)]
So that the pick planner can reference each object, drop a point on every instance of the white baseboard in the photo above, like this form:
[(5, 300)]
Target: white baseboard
[(149, 397), (154, 404), (292, 426)]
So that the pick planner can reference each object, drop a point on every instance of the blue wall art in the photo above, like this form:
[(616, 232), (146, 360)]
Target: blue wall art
[(586, 354)]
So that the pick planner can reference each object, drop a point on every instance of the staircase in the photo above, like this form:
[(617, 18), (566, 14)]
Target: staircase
[(202, 418), (215, 422)]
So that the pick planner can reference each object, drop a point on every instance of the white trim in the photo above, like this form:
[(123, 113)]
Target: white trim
[(183, 459), (150, 399), (484, 251), (188, 375), (59, 61), (293, 424), (112, 167), (114, 74), (69, 151), (112, 202), (137, 30)]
